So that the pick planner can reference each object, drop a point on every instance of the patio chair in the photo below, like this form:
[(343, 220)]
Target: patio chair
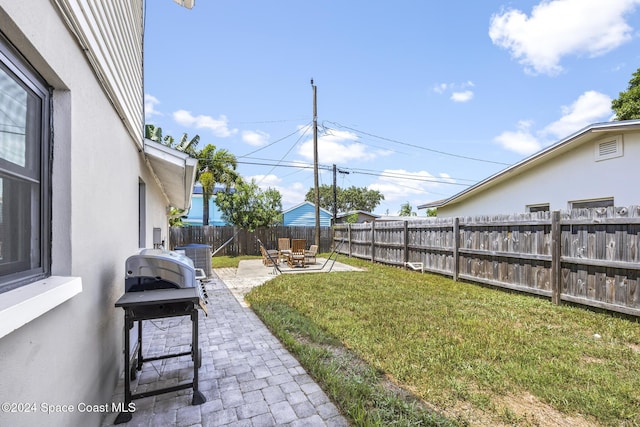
[(310, 254), (296, 257), (269, 256), (284, 247)]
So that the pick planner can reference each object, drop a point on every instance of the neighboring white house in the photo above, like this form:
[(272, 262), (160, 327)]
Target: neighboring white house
[(80, 191), (357, 217), (595, 167)]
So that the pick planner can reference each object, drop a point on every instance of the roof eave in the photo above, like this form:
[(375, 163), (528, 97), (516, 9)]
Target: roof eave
[(554, 149), (174, 171)]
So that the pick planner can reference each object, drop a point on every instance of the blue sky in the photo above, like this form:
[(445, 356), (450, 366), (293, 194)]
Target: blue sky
[(416, 99)]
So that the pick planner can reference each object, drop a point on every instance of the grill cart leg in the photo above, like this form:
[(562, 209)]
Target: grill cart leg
[(139, 367), (196, 355), (137, 362), (124, 417)]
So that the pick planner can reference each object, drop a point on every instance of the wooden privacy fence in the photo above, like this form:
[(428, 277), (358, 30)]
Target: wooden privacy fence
[(585, 256), (245, 242)]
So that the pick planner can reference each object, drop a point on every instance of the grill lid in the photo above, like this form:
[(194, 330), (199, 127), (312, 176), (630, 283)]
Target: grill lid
[(149, 266)]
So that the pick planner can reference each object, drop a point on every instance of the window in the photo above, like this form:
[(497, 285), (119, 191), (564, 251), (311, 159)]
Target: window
[(24, 172), (589, 204), (538, 208)]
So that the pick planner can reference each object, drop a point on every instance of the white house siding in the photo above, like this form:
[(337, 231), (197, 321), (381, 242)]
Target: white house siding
[(73, 353), (570, 176), (112, 32)]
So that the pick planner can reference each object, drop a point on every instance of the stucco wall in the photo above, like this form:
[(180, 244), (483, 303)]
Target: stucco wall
[(73, 353), (571, 176)]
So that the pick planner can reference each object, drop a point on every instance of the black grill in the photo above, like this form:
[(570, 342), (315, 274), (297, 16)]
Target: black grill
[(160, 284)]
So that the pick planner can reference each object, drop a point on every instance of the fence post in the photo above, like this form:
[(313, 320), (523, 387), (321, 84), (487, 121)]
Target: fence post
[(373, 241), (456, 247), (556, 252), (406, 243)]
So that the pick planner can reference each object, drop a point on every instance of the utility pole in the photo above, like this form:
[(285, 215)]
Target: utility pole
[(335, 196), (316, 187)]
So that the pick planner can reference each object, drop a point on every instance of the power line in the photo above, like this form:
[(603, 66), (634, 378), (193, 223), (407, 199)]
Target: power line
[(380, 174), (288, 151), (305, 128), (266, 121), (420, 190), (296, 165), (410, 175), (417, 146), (412, 178), (361, 140), (383, 176)]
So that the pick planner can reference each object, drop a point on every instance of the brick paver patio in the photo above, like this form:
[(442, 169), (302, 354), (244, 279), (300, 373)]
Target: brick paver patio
[(247, 377)]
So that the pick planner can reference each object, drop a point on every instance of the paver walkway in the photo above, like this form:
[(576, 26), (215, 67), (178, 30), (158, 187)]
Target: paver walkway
[(247, 377)]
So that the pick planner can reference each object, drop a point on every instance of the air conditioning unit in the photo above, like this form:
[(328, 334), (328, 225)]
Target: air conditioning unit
[(200, 254)]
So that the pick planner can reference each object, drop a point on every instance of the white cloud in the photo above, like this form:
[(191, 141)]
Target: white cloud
[(266, 181), (589, 108), (521, 141), (255, 138), (458, 92), (400, 186), (292, 192), (557, 28), (219, 127), (440, 87), (339, 147), (150, 103), (462, 96)]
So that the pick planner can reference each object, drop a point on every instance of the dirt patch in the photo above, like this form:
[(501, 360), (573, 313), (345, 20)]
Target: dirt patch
[(589, 359), (528, 410), (524, 410)]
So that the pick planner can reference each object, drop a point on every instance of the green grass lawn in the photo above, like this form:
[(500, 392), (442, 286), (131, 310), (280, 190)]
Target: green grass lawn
[(475, 355), (224, 261)]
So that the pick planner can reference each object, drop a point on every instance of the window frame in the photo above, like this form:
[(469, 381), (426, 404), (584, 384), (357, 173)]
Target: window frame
[(539, 207), (603, 202), (19, 69)]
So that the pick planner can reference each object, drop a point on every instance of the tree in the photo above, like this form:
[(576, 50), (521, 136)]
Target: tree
[(627, 105), (215, 167), (176, 216), (154, 133), (186, 145), (352, 219), (249, 207), (350, 199), (406, 210)]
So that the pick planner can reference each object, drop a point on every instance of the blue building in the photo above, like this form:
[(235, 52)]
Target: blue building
[(304, 214), (195, 213)]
